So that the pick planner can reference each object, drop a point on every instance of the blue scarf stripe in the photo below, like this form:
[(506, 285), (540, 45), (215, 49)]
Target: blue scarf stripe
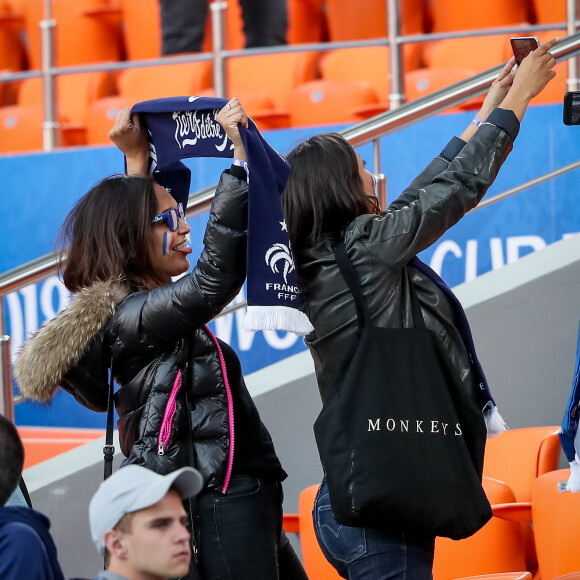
[(570, 421), (484, 394)]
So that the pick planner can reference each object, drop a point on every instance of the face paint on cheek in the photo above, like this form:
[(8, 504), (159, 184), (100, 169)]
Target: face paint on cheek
[(167, 242)]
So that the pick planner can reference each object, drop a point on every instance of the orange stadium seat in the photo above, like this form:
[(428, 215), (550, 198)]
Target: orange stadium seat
[(549, 11), (348, 20), (517, 457), (370, 64), (306, 21), (143, 84), (279, 75), (74, 95), (497, 547), (81, 35), (21, 128), (12, 51), (42, 443), (448, 15), (141, 28), (500, 576), (477, 53), (322, 102), (315, 564), (423, 81), (556, 517)]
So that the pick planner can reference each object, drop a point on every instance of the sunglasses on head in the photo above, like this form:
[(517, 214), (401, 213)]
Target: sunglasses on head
[(172, 216)]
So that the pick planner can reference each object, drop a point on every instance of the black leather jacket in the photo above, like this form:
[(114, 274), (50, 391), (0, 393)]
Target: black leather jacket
[(381, 246), (152, 336)]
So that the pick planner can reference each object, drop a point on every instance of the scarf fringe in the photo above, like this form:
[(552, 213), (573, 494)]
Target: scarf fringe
[(573, 484), (277, 318), (494, 422)]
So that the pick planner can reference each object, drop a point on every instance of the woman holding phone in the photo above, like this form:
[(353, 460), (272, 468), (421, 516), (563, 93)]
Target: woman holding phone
[(330, 198)]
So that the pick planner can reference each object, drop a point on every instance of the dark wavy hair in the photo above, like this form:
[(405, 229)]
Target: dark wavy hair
[(107, 234), (11, 459), (324, 192)]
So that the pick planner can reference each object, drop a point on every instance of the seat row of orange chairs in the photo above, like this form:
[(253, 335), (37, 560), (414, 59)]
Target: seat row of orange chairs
[(101, 30), (534, 531), (278, 90), (294, 89)]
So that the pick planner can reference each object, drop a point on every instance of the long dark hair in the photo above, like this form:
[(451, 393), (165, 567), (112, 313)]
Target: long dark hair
[(107, 234), (324, 192)]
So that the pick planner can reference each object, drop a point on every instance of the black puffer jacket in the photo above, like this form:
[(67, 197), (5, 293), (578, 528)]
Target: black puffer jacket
[(381, 246), (156, 339)]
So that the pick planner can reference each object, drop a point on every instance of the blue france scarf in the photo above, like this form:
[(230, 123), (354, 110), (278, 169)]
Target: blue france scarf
[(569, 430), (495, 424), (183, 127)]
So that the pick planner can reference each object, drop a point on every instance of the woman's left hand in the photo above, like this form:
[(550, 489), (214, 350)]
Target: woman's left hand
[(498, 90), (230, 118)]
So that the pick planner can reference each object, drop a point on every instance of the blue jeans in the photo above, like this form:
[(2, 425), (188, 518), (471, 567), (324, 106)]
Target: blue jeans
[(368, 553), (239, 535)]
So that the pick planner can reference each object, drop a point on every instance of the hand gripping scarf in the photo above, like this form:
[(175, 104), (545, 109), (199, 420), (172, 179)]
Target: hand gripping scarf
[(184, 127)]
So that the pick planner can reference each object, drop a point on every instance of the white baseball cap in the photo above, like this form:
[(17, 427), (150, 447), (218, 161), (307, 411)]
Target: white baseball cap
[(133, 488)]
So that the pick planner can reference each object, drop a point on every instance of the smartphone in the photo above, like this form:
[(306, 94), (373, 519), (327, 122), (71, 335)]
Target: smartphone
[(523, 45), (572, 108)]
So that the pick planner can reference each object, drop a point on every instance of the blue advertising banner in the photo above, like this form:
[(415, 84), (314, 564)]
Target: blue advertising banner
[(40, 189)]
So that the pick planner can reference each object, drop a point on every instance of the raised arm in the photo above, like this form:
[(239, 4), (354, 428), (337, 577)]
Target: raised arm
[(512, 90)]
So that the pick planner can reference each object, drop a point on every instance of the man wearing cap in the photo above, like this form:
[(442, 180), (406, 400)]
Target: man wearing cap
[(139, 524)]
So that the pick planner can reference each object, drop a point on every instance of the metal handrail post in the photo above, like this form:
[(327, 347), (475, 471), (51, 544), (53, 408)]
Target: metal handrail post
[(571, 17), (397, 95), (217, 29), (381, 179), (49, 124), (6, 402)]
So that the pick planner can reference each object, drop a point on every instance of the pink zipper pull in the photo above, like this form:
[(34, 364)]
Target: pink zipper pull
[(167, 423)]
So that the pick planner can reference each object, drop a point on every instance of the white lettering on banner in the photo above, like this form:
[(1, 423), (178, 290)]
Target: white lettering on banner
[(441, 251), (280, 342), (497, 257), (193, 126), (513, 245), (471, 260), (24, 308), (46, 293), (16, 317), (402, 426)]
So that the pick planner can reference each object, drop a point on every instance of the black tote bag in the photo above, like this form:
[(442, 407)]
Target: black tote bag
[(400, 441)]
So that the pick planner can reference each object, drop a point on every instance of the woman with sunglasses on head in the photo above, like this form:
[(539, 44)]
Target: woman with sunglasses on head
[(182, 398), (329, 199)]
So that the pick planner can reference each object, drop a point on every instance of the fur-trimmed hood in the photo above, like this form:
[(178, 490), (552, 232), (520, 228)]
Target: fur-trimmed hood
[(59, 345)]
